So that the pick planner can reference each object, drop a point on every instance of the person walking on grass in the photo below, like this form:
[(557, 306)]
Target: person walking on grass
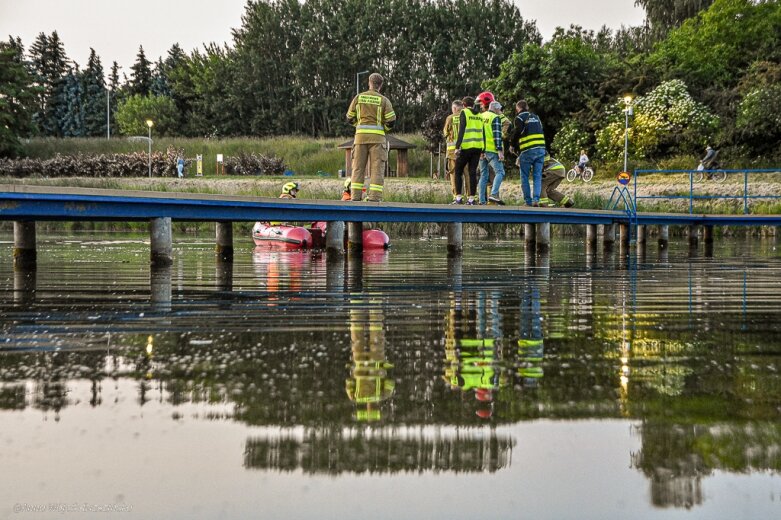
[(470, 144), (529, 140), (372, 115)]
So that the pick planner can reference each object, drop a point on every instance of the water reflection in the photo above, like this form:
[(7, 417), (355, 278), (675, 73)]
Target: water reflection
[(411, 362)]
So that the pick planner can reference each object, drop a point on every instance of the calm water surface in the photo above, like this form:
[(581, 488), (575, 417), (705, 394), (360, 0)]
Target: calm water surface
[(405, 385)]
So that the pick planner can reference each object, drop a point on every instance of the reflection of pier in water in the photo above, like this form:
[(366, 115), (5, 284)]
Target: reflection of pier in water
[(385, 450)]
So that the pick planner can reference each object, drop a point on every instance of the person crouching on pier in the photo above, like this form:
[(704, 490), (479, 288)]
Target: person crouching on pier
[(552, 174), (289, 190)]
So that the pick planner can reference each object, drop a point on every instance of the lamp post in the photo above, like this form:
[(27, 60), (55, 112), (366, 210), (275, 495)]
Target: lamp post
[(627, 113), (150, 124), (358, 81)]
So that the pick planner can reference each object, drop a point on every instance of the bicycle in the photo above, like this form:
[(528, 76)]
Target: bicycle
[(586, 175), (716, 175)]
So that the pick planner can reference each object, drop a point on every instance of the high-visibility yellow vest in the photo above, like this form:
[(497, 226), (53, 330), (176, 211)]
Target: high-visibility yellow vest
[(474, 133), (368, 112), (488, 117)]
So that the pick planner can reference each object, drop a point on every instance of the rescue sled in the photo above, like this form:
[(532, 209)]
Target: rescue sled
[(372, 238)]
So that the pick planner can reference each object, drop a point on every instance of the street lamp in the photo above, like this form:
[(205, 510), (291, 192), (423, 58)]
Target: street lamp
[(150, 124), (358, 81), (627, 113)]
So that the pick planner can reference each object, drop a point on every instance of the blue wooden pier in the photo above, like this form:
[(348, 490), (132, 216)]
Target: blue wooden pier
[(26, 204)]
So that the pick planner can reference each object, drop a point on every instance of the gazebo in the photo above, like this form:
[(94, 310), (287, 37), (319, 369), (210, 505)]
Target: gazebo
[(401, 147)]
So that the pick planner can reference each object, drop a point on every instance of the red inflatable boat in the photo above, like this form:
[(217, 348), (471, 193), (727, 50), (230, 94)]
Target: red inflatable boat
[(287, 237)]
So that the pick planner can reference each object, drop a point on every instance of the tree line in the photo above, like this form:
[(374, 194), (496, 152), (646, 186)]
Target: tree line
[(700, 71)]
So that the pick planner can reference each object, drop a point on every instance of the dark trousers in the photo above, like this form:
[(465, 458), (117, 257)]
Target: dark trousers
[(467, 158)]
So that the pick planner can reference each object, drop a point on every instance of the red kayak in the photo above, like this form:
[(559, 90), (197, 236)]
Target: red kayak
[(287, 237)]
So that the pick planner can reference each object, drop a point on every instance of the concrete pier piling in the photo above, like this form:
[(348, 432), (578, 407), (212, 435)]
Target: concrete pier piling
[(623, 234), (161, 253), (530, 233), (160, 288), (608, 235), (355, 237), (543, 237), (334, 239), (664, 236), (693, 238), (455, 238), (591, 236), (224, 247), (25, 255)]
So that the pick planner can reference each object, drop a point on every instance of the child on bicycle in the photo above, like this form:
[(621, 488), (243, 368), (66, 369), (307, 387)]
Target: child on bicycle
[(582, 162)]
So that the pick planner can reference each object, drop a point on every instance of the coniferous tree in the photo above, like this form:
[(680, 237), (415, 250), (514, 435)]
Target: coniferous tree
[(49, 65), (70, 104), (116, 90), (94, 103), (141, 77), (160, 80), (17, 98)]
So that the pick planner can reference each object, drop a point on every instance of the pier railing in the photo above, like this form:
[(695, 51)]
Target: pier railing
[(695, 186)]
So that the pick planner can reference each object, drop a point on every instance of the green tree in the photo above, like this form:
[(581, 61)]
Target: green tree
[(711, 50), (116, 93), (558, 78), (141, 77), (49, 65), (17, 98), (663, 15), (758, 122), (134, 111), (94, 98), (70, 103)]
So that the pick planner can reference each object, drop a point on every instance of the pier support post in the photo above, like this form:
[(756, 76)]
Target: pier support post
[(608, 236), (693, 238), (25, 255), (355, 237), (24, 286), (161, 253), (623, 234), (334, 238), (455, 238), (664, 236), (160, 288), (707, 232), (224, 246), (543, 237), (591, 236), (530, 233), (223, 276), (641, 241)]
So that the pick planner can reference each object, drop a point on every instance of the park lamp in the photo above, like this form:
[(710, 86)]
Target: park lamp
[(150, 124)]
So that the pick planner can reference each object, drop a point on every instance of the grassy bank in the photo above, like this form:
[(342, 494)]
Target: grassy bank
[(304, 155)]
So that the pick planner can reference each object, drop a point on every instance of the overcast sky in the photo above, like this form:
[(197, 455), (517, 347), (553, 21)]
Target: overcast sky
[(115, 28)]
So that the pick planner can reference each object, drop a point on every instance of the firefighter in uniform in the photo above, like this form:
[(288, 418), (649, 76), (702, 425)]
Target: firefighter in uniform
[(372, 115), (451, 134), (553, 173)]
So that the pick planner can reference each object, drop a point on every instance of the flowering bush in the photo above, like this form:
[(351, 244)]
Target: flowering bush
[(666, 119), (569, 141)]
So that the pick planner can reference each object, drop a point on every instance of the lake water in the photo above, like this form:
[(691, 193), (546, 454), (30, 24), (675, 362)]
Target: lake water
[(403, 385)]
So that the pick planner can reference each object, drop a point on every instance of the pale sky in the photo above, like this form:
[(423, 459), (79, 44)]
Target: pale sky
[(115, 28)]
